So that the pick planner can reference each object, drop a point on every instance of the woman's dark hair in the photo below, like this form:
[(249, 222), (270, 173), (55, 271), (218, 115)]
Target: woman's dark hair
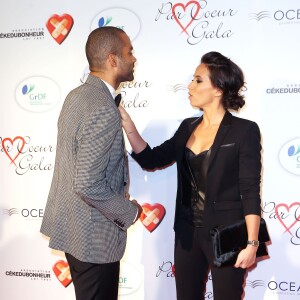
[(226, 76)]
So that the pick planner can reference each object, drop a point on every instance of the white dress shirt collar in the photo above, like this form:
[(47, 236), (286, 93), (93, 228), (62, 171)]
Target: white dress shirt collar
[(110, 88)]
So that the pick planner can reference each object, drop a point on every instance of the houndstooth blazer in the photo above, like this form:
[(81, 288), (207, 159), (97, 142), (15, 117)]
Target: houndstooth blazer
[(86, 214)]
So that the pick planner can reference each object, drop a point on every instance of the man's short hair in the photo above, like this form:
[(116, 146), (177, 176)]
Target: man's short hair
[(102, 42)]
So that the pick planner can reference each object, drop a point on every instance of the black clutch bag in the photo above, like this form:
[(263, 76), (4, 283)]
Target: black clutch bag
[(229, 240)]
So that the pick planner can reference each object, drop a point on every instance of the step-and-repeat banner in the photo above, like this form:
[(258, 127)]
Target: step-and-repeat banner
[(42, 59)]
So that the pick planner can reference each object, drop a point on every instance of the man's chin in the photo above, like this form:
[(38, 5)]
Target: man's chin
[(130, 78)]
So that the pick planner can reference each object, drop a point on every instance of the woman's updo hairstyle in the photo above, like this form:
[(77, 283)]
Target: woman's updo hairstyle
[(226, 76)]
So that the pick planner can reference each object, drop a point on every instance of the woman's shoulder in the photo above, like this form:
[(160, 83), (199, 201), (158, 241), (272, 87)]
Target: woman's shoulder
[(191, 120), (244, 126), (188, 123), (242, 121)]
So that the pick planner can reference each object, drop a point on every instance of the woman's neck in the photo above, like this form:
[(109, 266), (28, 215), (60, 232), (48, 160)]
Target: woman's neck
[(213, 117)]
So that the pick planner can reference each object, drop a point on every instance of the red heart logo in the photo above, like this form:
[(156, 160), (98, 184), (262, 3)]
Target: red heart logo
[(152, 215), (62, 271), (288, 209), (173, 270), (12, 143), (184, 7), (59, 27)]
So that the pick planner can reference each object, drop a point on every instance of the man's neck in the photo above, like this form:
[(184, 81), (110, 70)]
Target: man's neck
[(108, 79)]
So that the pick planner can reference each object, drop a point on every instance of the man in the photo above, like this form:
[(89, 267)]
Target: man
[(87, 213)]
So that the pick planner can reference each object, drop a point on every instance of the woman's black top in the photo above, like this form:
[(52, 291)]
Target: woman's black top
[(194, 212)]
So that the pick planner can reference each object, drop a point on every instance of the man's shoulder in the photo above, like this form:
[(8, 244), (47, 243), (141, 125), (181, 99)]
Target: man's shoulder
[(87, 93)]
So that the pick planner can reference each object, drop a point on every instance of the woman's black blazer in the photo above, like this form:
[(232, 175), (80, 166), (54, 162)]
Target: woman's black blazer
[(233, 175)]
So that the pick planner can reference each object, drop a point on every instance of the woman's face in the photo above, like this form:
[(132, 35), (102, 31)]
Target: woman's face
[(202, 93)]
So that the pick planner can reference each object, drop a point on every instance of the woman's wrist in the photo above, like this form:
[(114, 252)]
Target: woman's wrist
[(254, 243), (130, 131), (129, 127)]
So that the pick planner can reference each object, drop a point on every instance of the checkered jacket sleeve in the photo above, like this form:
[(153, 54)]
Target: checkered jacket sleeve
[(94, 177)]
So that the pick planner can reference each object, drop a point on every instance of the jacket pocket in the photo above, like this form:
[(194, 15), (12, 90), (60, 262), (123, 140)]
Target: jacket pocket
[(227, 145)]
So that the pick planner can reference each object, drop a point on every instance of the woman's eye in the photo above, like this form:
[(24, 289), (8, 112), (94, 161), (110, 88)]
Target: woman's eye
[(197, 80)]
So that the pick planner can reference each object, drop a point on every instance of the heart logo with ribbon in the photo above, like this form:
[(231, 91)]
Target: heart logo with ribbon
[(152, 215), (61, 270), (59, 27), (194, 10), (281, 208), (173, 270), (7, 142)]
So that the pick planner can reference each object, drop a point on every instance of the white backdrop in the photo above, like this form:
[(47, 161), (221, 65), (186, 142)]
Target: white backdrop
[(42, 59)]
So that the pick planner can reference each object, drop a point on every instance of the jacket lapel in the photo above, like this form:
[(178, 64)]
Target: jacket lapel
[(222, 132), (192, 124)]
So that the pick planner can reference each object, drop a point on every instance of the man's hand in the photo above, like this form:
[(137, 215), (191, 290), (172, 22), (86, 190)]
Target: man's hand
[(140, 210)]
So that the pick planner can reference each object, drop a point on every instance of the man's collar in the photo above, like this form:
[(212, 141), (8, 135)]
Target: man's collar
[(110, 88), (95, 80)]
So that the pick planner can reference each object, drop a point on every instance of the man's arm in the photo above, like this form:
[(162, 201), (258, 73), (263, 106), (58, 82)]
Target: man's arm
[(93, 156)]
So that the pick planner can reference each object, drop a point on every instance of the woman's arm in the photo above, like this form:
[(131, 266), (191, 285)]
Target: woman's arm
[(136, 141), (249, 180), (160, 156), (246, 257)]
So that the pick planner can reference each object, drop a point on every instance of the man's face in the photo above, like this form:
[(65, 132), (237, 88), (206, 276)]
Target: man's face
[(126, 61)]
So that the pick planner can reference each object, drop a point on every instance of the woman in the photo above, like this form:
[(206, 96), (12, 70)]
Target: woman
[(218, 169)]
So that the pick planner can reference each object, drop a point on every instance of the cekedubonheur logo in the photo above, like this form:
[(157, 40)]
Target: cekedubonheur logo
[(38, 94), (289, 156), (118, 17)]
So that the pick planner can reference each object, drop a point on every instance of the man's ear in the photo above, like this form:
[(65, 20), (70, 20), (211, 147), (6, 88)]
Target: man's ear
[(112, 59)]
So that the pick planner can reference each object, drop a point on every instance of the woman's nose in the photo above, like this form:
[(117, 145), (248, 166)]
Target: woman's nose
[(190, 86)]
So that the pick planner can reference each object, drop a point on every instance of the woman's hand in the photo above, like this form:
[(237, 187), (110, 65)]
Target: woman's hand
[(246, 257), (127, 123), (136, 141), (124, 115)]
